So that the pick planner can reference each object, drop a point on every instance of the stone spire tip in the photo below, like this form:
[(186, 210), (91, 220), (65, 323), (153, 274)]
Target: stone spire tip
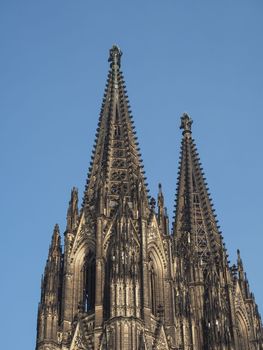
[(115, 56), (186, 124)]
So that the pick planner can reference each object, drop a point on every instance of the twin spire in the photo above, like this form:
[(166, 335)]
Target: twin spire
[(111, 232), (116, 169)]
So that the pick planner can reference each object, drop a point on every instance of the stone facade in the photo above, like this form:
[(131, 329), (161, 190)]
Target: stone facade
[(123, 281)]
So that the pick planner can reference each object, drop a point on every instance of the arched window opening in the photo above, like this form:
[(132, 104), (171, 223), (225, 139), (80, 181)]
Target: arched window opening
[(156, 284), (153, 291), (242, 334), (89, 284), (106, 294)]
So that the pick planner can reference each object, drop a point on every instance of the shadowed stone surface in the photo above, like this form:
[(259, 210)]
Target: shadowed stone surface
[(123, 281)]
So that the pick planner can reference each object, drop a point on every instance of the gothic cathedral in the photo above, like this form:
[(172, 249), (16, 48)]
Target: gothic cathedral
[(123, 281)]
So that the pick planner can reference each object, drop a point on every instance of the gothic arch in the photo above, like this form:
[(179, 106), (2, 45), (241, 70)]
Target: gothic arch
[(107, 280), (88, 272), (84, 271), (242, 331), (156, 278), (156, 245)]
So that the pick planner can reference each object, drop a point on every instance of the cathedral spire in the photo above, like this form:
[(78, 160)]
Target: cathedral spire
[(195, 221), (116, 163), (122, 282)]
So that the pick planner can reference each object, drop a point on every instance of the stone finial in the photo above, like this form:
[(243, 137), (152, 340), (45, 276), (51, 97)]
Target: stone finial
[(115, 55), (186, 124), (72, 213), (56, 235), (239, 260), (160, 196)]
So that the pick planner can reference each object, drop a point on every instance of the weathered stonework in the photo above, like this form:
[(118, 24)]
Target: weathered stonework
[(123, 281)]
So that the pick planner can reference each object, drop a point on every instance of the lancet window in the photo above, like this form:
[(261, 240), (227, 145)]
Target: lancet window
[(89, 283), (152, 275), (242, 336)]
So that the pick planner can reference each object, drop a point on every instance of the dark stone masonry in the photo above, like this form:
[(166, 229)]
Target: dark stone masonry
[(123, 281)]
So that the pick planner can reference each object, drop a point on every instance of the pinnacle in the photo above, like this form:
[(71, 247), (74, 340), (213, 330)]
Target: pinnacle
[(74, 190), (55, 243), (56, 230), (160, 196), (239, 260), (72, 213)]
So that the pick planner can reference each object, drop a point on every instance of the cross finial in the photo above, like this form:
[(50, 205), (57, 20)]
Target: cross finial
[(186, 124), (115, 55)]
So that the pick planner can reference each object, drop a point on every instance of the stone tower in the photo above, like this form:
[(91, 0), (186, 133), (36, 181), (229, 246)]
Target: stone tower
[(123, 280)]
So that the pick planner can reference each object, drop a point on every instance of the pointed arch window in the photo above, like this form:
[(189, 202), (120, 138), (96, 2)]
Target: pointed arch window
[(153, 296), (156, 283), (89, 283), (242, 333), (106, 294)]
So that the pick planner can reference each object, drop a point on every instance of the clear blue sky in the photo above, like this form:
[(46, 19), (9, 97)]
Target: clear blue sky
[(203, 57)]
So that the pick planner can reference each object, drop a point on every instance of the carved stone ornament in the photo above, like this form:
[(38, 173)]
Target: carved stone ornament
[(79, 343), (60, 337), (115, 55), (186, 123)]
